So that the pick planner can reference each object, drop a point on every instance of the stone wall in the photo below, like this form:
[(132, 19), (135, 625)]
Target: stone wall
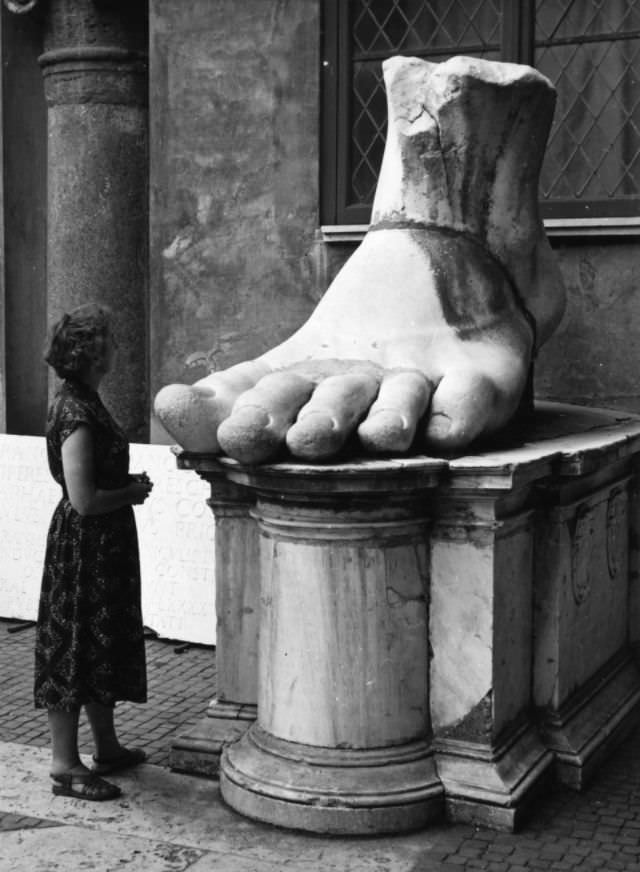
[(234, 118), (594, 357)]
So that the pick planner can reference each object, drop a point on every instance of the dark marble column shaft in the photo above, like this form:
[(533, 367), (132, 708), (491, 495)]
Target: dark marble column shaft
[(95, 75)]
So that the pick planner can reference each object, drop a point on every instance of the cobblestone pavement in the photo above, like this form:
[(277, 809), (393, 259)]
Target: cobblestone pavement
[(181, 682), (598, 829)]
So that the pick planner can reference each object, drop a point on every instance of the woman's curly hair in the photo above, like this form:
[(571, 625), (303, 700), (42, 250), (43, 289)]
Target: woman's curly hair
[(77, 340)]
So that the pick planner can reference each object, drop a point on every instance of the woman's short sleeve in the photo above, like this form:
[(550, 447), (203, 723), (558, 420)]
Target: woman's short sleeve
[(71, 414)]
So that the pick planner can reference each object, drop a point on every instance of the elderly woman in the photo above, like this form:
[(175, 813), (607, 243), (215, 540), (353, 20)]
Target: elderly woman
[(89, 640)]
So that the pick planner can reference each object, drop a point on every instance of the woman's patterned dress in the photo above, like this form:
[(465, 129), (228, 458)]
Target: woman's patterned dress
[(89, 636)]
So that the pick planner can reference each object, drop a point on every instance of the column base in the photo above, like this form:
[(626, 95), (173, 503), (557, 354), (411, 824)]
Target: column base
[(593, 721), (494, 786), (329, 790), (198, 750)]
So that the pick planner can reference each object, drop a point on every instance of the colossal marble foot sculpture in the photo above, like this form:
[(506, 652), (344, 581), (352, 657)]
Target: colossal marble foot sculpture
[(426, 337)]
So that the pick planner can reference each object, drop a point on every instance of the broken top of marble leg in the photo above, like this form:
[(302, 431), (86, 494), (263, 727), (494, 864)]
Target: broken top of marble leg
[(466, 141)]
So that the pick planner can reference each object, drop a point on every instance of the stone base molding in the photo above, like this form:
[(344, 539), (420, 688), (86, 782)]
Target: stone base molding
[(494, 784), (331, 790), (198, 750), (593, 721)]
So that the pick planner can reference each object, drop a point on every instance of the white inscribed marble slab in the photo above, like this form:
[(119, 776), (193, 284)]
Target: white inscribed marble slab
[(176, 534), (28, 496), (175, 530)]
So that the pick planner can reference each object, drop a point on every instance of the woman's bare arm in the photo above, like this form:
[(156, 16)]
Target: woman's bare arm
[(79, 476)]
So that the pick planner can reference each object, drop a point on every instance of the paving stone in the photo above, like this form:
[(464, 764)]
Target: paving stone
[(501, 849), (597, 830), (484, 835), (9, 822)]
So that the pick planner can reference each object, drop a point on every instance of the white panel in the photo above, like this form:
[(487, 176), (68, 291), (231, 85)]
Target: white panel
[(175, 530)]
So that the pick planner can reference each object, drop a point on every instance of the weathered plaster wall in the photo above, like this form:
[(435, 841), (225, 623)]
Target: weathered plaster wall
[(594, 357), (234, 113)]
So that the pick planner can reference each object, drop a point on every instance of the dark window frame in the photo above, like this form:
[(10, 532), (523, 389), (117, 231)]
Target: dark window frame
[(517, 45)]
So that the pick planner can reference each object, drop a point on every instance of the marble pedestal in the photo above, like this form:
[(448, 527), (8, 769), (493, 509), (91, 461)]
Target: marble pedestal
[(237, 575), (436, 636)]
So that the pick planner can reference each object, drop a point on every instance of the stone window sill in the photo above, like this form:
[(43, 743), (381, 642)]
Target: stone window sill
[(555, 227)]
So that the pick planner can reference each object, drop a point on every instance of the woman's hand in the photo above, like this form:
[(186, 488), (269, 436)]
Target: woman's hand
[(140, 487), (79, 476)]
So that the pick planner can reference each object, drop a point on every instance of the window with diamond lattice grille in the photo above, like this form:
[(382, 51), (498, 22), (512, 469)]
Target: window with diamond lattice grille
[(589, 49)]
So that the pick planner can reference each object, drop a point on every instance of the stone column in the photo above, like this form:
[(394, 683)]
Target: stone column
[(94, 68), (237, 577), (342, 739)]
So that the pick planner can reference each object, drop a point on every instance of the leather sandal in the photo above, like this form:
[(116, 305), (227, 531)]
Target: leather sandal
[(84, 786), (126, 759)]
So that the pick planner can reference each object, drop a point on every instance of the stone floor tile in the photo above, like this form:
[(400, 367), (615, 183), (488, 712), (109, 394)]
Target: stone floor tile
[(21, 822), (73, 848)]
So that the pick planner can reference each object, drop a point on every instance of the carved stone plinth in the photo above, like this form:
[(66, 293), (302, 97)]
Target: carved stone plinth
[(439, 635), (585, 675), (535, 541), (237, 579), (489, 755)]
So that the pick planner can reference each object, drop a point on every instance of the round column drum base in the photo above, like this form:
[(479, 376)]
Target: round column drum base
[(331, 790)]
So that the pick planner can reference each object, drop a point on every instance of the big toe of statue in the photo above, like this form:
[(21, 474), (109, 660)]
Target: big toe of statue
[(425, 339)]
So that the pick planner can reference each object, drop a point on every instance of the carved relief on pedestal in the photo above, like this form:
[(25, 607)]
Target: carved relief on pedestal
[(617, 520), (582, 546), (585, 541)]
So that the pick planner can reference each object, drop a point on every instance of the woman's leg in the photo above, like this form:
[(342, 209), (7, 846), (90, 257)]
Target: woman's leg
[(63, 727), (110, 755), (71, 777), (104, 732)]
